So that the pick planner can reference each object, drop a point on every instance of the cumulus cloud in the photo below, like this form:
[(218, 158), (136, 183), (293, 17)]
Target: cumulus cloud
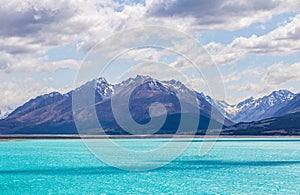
[(33, 27), (41, 24), (16, 92), (30, 28), (220, 14), (26, 63), (283, 40), (250, 87), (282, 73), (259, 81), (248, 73)]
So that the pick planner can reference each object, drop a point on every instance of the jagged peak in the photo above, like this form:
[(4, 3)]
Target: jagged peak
[(174, 82), (51, 94), (101, 80), (139, 79), (282, 92), (248, 100), (144, 77)]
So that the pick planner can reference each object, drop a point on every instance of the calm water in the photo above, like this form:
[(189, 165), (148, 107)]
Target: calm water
[(231, 167)]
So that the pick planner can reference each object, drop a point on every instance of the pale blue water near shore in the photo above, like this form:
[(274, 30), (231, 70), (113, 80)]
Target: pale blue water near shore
[(233, 166)]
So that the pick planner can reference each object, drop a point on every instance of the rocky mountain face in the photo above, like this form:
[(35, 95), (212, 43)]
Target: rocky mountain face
[(52, 113), (291, 106)]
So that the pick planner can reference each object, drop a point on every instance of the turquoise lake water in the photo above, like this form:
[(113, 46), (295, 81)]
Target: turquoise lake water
[(233, 166)]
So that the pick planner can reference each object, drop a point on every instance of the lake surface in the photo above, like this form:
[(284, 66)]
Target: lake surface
[(233, 166)]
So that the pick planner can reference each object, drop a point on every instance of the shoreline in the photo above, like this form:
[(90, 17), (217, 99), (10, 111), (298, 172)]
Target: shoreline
[(29, 137)]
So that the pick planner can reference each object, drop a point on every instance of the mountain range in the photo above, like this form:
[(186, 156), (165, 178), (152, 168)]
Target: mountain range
[(52, 113), (272, 105)]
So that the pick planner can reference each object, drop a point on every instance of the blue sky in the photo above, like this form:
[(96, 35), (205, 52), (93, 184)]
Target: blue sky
[(255, 44)]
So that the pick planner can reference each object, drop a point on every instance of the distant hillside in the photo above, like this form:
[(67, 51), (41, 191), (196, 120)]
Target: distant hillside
[(288, 124)]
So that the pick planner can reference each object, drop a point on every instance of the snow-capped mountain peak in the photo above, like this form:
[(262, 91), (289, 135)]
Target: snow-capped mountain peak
[(253, 109), (101, 80), (143, 78), (104, 88), (282, 95)]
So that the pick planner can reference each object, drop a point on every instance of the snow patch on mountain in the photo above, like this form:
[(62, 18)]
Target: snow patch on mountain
[(104, 88)]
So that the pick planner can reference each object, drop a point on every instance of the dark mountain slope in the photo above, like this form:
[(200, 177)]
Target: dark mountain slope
[(285, 125)]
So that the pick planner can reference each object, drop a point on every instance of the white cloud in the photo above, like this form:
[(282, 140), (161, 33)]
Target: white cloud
[(33, 27), (250, 87), (283, 40), (258, 81), (248, 73), (220, 14), (17, 91), (12, 94), (145, 54), (25, 63), (282, 73), (30, 28)]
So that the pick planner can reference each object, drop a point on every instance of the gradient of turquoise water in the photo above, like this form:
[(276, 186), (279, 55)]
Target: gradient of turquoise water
[(239, 166)]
